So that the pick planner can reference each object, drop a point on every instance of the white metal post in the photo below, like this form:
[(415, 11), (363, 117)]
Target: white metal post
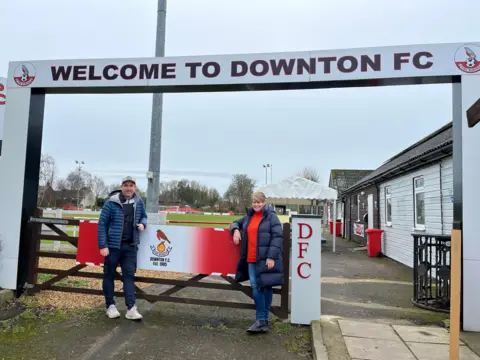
[(59, 215)]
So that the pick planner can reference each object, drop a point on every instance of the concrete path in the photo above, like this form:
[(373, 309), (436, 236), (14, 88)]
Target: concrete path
[(376, 341), (367, 312), (357, 286)]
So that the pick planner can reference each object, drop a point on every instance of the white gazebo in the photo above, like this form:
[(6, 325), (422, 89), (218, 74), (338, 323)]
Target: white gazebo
[(300, 191)]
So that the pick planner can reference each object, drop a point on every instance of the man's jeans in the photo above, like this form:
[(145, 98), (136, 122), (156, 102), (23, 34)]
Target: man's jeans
[(262, 296), (126, 256)]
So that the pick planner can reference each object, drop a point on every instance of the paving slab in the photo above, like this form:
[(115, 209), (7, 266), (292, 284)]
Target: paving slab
[(423, 334), (375, 349), (333, 340), (472, 340), (319, 351), (367, 330), (424, 351)]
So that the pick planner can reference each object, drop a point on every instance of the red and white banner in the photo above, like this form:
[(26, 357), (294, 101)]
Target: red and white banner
[(359, 229), (184, 249)]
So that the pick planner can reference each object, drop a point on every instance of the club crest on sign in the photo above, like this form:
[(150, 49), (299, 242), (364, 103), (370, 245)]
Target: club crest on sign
[(163, 248), (24, 74), (467, 59)]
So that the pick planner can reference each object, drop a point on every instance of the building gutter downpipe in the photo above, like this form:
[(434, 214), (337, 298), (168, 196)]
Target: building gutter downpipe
[(378, 206)]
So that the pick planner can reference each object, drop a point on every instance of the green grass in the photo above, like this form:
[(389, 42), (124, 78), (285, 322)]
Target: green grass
[(227, 220), (191, 217), (200, 217), (69, 231), (76, 215)]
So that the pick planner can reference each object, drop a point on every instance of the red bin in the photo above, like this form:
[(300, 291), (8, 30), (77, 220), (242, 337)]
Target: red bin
[(338, 228), (374, 245)]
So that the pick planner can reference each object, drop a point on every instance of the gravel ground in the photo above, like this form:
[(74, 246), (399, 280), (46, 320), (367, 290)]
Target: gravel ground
[(64, 300)]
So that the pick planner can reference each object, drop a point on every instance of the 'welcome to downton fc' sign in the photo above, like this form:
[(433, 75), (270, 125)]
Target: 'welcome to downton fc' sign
[(309, 66)]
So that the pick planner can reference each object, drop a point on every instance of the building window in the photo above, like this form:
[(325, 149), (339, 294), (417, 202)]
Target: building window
[(358, 207), (419, 199), (388, 206)]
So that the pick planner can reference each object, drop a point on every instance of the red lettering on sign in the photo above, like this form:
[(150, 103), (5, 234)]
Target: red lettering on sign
[(301, 249), (301, 225), (299, 270), (2, 96)]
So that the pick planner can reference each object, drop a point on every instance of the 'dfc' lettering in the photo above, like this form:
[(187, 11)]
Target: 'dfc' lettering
[(301, 249), (301, 230), (2, 96), (300, 272)]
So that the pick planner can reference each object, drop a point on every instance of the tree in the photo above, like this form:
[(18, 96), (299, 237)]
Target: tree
[(47, 170), (169, 192), (113, 187), (46, 176), (78, 179), (310, 174), (213, 197), (239, 192), (60, 184), (188, 192), (98, 187), (142, 194), (1, 252)]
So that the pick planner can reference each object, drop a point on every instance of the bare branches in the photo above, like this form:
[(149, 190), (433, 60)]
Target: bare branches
[(310, 174)]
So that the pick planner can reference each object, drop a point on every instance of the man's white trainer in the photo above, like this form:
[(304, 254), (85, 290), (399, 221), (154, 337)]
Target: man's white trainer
[(133, 314), (112, 312)]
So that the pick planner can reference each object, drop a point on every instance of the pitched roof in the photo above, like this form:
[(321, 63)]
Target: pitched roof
[(438, 141), (342, 179)]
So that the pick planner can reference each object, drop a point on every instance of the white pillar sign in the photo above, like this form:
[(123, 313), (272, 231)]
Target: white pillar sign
[(470, 92), (306, 268)]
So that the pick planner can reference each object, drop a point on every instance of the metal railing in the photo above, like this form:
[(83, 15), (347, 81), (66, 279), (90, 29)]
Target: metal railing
[(431, 271)]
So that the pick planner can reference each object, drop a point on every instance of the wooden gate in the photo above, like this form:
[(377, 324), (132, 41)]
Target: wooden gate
[(36, 223)]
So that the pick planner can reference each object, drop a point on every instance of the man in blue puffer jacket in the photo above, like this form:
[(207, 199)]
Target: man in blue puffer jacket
[(122, 218)]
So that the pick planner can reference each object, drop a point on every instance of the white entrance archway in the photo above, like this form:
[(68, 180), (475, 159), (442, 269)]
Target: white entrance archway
[(30, 81)]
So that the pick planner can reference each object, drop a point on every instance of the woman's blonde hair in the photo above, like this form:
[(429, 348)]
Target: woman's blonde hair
[(259, 196)]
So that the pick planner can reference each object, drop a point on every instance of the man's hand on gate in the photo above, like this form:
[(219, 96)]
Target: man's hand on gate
[(104, 252), (236, 237), (140, 227)]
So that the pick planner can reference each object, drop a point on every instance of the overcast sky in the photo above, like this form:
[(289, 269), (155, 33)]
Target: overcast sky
[(225, 133)]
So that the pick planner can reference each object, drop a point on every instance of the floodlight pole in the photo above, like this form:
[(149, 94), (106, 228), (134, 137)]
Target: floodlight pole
[(266, 166), (153, 179), (80, 163)]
